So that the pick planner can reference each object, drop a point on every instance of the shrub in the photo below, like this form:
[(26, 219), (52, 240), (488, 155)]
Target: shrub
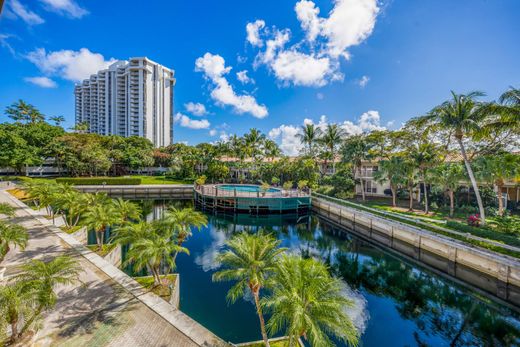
[(474, 220), (89, 181)]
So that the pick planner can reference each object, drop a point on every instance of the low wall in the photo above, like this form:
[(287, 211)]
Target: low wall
[(175, 300), (81, 235), (169, 191), (496, 274), (115, 257)]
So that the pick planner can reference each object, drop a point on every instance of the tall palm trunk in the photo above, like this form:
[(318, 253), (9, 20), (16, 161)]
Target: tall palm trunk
[(394, 193), (473, 182), (452, 202), (256, 295), (410, 198), (362, 184), (14, 330), (425, 189), (500, 201)]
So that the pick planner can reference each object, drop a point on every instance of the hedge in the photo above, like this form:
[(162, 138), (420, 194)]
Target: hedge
[(89, 181)]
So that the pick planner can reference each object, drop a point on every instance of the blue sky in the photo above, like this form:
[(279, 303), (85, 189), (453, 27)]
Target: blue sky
[(361, 63)]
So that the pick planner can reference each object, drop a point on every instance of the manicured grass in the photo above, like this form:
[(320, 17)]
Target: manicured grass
[(480, 232), (71, 229), (161, 290), (107, 248), (100, 180), (159, 180), (277, 343)]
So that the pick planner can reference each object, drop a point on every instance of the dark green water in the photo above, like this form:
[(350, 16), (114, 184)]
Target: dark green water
[(397, 303)]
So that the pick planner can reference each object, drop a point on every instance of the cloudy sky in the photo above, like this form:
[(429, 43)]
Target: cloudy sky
[(270, 64)]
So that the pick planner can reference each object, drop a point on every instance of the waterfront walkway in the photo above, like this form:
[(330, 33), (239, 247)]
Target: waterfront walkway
[(97, 310)]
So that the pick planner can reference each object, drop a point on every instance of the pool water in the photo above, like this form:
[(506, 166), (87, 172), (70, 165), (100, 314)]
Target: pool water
[(246, 188), (397, 303)]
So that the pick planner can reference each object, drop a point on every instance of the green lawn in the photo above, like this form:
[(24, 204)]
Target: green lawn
[(480, 232), (159, 180), (107, 248), (277, 343), (161, 290)]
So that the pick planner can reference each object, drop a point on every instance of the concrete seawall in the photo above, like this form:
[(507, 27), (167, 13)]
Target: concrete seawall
[(496, 274), (143, 191)]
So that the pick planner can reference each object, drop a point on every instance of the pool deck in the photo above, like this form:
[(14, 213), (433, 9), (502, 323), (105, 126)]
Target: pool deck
[(105, 307), (212, 190)]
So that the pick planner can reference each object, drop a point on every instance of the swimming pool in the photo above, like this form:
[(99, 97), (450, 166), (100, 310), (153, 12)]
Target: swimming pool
[(245, 188)]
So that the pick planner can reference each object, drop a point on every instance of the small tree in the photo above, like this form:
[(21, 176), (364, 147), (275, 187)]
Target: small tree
[(250, 261), (12, 235), (391, 171), (448, 176)]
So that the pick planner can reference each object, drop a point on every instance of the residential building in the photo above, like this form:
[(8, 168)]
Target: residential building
[(129, 98)]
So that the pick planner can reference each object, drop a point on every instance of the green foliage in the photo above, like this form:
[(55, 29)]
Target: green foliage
[(12, 235), (288, 185), (99, 180), (32, 291), (306, 301), (201, 180), (6, 209), (250, 261)]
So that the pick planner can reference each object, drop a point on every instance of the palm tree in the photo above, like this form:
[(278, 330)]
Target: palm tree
[(127, 210), (23, 112), (182, 220), (253, 141), (309, 136), (498, 169), (448, 176), (356, 150), (6, 209), (271, 149), (391, 171), (424, 155), (308, 302), (12, 235), (129, 233), (40, 278), (152, 249), (331, 138), (99, 217), (410, 177), (15, 304), (462, 117), (250, 261), (73, 204), (57, 120)]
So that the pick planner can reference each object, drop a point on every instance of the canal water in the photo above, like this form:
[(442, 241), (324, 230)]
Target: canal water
[(397, 303)]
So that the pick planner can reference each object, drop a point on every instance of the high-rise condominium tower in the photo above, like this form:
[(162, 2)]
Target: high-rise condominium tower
[(130, 98)]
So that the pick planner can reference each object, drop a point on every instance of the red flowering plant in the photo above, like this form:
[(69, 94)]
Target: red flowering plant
[(474, 220)]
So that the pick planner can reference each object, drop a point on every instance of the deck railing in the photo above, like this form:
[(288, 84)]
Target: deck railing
[(215, 191)]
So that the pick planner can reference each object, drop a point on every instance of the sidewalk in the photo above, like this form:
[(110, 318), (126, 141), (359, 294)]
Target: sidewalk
[(96, 311)]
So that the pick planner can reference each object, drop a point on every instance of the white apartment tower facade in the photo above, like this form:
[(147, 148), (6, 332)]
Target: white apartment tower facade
[(129, 98)]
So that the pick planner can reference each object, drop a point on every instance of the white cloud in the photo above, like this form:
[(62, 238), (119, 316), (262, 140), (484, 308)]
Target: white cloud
[(307, 14), (303, 69), (350, 22), (71, 65), (320, 96), (286, 135), (363, 81), (244, 78), (213, 66), (196, 108), (18, 10), (315, 60), (41, 81), (187, 122), (253, 36), (68, 8), (213, 132)]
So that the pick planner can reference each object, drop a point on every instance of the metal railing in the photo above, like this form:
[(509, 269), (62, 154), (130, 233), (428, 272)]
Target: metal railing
[(216, 191)]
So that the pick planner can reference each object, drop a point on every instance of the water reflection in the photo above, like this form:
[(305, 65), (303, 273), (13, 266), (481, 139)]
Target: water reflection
[(397, 303)]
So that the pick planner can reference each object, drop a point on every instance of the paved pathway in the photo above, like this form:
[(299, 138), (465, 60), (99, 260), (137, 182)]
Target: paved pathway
[(96, 311)]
